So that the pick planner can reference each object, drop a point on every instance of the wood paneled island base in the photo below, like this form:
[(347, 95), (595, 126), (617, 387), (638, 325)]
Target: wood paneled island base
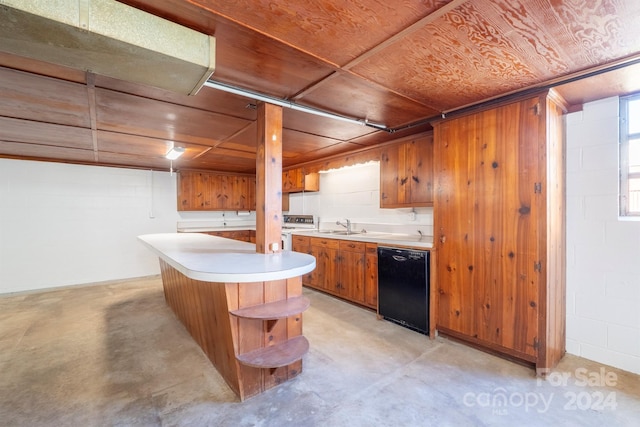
[(254, 349)]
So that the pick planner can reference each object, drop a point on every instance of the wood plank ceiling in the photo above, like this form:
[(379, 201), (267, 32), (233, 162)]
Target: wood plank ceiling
[(393, 63)]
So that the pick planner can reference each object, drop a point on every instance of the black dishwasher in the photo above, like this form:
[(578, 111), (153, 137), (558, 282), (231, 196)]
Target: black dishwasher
[(403, 287)]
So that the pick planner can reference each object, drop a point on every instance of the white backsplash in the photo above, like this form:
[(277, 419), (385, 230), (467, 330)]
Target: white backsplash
[(208, 219), (354, 193)]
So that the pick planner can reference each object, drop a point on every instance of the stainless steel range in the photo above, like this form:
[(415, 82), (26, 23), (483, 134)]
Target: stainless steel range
[(291, 223)]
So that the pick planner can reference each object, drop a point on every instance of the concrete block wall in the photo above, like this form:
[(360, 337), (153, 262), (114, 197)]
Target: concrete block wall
[(63, 224), (603, 250)]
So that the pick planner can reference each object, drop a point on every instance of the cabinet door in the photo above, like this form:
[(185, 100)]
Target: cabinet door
[(406, 174), (290, 180), (351, 276), (185, 191), (325, 275), (392, 176), (487, 226), (303, 244), (371, 276), (203, 193), (315, 278), (419, 160)]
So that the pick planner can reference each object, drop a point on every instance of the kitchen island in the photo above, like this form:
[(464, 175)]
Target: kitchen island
[(243, 308)]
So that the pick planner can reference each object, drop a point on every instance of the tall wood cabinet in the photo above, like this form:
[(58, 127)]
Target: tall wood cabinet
[(499, 228)]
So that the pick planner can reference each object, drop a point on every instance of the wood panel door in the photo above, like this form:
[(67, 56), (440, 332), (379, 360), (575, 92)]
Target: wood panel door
[(489, 203)]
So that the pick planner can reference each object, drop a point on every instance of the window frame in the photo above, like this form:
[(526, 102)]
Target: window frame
[(623, 151)]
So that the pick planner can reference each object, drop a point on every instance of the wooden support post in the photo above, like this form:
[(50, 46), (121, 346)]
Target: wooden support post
[(269, 179)]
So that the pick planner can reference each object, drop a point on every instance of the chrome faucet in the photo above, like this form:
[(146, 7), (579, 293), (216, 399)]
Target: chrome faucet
[(347, 225)]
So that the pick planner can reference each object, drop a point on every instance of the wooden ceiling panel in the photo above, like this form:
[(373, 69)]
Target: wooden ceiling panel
[(44, 99), (120, 112), (323, 126), (353, 97), (487, 48), (207, 98), (44, 134), (296, 143), (321, 28), (243, 140), (254, 61), (111, 142), (621, 81), (339, 148), (590, 33), (377, 138), (42, 68), (221, 161), (45, 152), (132, 160)]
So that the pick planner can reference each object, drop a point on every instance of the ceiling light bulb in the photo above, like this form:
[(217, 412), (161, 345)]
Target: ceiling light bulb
[(174, 153)]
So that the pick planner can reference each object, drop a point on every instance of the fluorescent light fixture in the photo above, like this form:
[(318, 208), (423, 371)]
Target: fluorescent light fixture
[(174, 153), (289, 104)]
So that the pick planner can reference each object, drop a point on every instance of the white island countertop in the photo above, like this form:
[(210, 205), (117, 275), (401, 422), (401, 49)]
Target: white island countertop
[(216, 259)]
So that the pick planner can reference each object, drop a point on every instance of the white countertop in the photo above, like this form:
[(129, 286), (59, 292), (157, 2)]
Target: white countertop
[(216, 259), (415, 241)]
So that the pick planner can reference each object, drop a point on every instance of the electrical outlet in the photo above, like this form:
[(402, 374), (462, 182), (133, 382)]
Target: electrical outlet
[(275, 246), (412, 216)]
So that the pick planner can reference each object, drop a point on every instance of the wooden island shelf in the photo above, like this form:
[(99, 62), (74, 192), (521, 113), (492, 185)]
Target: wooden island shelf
[(278, 355), (244, 309)]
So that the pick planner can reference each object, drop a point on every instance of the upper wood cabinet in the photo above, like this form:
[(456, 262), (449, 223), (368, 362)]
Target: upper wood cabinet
[(499, 229), (210, 191), (296, 181), (406, 173)]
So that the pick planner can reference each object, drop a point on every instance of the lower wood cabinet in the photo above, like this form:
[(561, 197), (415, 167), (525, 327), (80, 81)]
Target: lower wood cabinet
[(344, 268)]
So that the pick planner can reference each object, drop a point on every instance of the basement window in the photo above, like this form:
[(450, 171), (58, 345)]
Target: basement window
[(630, 156)]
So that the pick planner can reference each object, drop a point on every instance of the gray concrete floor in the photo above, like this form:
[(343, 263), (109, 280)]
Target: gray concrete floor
[(114, 354)]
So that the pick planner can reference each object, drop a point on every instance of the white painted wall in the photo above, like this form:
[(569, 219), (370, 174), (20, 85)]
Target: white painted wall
[(603, 252), (354, 193), (64, 224)]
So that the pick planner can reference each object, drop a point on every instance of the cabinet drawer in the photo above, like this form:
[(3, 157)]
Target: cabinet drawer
[(326, 243), (300, 241), (303, 240), (372, 249), (349, 245)]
